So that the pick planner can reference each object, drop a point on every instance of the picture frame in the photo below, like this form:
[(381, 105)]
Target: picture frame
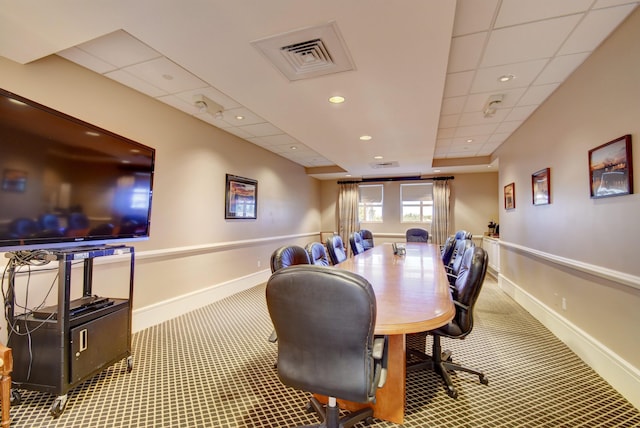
[(14, 180), (610, 169), (241, 198), (510, 196), (541, 187)]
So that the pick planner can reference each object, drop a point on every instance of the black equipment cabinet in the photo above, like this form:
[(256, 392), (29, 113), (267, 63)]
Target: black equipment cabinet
[(58, 347)]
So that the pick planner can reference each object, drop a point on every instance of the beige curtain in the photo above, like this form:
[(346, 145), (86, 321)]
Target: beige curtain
[(440, 221), (348, 212)]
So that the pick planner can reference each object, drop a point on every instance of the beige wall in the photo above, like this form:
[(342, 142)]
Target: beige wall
[(192, 246), (580, 249), (474, 201)]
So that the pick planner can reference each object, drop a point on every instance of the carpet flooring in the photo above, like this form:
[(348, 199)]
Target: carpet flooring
[(213, 367)]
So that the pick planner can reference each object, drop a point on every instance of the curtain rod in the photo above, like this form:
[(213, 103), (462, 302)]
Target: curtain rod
[(415, 178)]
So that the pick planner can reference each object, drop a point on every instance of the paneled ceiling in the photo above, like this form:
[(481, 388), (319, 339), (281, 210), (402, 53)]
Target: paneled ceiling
[(422, 78)]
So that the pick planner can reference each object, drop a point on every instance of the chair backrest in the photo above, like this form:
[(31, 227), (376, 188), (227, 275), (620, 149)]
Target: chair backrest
[(336, 250), (447, 250), (357, 246), (417, 235), (467, 287), (461, 247), (288, 255), (367, 239), (463, 234), (325, 320), (317, 254)]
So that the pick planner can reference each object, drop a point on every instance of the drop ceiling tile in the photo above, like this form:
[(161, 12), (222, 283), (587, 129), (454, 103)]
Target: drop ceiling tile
[(120, 49), (560, 67), (607, 3), (449, 121), (528, 41), (513, 12), (178, 103), (239, 132), (477, 140), (166, 74), (465, 52), (498, 138), (473, 16), (458, 84), (470, 131), (535, 95), (136, 83), (261, 129), (212, 94), (446, 133), (508, 126), (477, 117), (275, 140), (86, 60), (520, 113), (596, 26), (452, 105), (486, 79)]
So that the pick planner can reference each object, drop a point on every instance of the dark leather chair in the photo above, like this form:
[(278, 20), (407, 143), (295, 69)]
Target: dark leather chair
[(325, 321), (317, 254), (355, 241), (417, 235), (288, 255), (367, 239), (22, 227), (453, 268), (336, 250), (465, 294), (447, 250)]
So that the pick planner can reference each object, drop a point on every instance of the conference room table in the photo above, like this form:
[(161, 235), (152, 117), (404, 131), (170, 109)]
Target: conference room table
[(412, 296)]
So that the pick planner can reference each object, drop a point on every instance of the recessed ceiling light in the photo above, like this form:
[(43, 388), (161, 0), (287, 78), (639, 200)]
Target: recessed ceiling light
[(92, 133), (239, 117), (470, 140), (16, 102), (436, 170), (337, 99), (293, 148), (506, 77), (378, 157), (366, 137), (347, 175)]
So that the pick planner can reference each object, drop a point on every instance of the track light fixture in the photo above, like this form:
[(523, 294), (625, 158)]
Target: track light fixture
[(207, 105)]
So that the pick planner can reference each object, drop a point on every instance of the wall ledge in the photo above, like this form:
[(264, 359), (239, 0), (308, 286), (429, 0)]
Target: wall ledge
[(623, 278)]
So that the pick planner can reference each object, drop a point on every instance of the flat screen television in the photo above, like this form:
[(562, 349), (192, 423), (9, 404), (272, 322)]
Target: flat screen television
[(67, 183)]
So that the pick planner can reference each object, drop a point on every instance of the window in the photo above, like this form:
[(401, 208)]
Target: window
[(417, 202), (370, 203)]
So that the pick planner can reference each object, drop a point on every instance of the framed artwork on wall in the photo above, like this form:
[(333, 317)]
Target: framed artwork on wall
[(610, 168), (540, 187), (510, 196), (241, 198), (14, 180)]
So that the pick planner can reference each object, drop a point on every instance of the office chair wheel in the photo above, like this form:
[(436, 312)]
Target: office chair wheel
[(15, 398), (129, 364), (368, 421), (309, 407), (484, 380), (451, 392)]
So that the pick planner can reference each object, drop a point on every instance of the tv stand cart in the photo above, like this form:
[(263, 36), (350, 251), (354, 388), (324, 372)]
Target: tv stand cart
[(58, 347)]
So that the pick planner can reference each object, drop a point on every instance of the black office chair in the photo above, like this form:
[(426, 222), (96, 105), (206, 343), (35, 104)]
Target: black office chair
[(317, 254), (367, 239), (288, 255), (357, 246), (336, 250), (453, 268), (417, 235), (466, 291), (447, 250), (325, 320)]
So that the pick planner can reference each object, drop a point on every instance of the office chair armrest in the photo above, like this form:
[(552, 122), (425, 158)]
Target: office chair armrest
[(465, 307), (380, 353)]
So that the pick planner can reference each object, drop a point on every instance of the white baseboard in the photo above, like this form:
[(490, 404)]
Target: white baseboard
[(621, 375), (157, 313)]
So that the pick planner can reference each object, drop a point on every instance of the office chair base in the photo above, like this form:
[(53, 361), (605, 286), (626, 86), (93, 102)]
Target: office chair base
[(330, 416), (442, 365)]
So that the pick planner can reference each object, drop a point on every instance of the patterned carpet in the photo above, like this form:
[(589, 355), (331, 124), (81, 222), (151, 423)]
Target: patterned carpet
[(214, 368)]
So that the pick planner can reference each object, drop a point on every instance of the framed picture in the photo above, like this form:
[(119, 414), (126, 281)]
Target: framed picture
[(241, 198), (540, 187), (610, 169), (510, 196), (14, 180)]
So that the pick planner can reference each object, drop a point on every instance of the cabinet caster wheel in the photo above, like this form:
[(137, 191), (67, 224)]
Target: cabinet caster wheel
[(129, 364), (58, 406), (15, 398)]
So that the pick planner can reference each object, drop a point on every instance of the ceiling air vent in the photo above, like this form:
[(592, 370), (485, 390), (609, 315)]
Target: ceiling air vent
[(390, 164), (306, 53)]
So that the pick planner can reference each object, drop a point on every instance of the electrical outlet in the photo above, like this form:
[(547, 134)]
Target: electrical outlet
[(564, 304)]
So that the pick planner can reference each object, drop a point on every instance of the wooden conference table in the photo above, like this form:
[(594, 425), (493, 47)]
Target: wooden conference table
[(412, 295)]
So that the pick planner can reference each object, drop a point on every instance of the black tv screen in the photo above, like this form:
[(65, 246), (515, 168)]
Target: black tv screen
[(67, 183)]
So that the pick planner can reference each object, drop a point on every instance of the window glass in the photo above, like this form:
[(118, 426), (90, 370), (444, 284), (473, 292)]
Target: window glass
[(370, 204), (417, 202)]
